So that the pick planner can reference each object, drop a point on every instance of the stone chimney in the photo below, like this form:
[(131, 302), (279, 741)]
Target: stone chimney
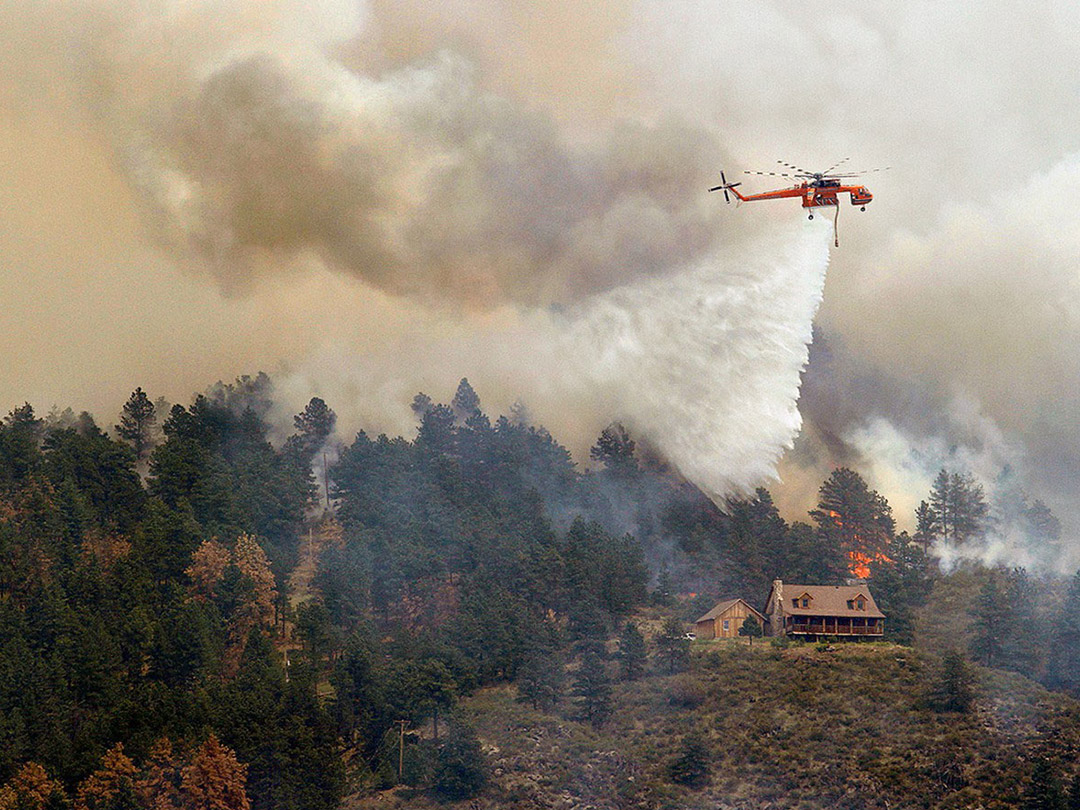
[(775, 611)]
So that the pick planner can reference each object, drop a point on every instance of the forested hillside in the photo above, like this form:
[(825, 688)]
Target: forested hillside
[(187, 619)]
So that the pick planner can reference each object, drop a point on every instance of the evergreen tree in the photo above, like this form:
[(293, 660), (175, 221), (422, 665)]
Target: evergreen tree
[(314, 425), (32, 789), (954, 690), (1072, 800), (615, 450), (925, 519), (632, 652), (1023, 642), (992, 623), (421, 404), (540, 680), (1063, 666), (691, 766), (592, 690), (672, 646), (751, 629), (466, 402), (137, 422), (959, 509), (663, 595), (460, 772), (214, 780), (856, 519), (1044, 791), (901, 583), (110, 787)]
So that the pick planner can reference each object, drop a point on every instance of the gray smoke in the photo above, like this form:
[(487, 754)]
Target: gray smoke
[(390, 195)]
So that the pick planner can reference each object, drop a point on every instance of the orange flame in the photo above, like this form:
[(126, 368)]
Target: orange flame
[(858, 561)]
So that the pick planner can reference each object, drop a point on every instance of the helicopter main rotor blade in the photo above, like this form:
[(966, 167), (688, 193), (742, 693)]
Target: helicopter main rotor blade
[(864, 171), (796, 168), (836, 165), (772, 174)]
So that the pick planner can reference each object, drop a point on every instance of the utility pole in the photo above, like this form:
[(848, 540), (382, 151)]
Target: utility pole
[(401, 748)]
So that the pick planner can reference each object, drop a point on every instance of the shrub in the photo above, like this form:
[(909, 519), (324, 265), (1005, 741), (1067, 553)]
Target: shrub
[(686, 692)]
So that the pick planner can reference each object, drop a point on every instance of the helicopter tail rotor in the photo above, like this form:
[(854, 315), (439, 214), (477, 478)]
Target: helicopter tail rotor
[(724, 186)]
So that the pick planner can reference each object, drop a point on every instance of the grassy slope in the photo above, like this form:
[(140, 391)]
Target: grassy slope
[(794, 728)]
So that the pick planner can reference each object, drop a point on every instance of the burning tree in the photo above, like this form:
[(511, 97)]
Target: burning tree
[(855, 518)]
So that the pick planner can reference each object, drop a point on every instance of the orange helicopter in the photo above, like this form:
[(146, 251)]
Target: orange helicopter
[(815, 189)]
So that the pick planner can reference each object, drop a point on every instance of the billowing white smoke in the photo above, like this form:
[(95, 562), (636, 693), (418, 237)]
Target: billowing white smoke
[(583, 271), (706, 363), (491, 213), (419, 182)]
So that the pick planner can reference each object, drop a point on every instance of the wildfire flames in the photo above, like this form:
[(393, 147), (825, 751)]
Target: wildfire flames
[(859, 558)]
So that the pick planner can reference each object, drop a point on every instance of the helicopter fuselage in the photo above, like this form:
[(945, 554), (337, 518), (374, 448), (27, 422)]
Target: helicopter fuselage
[(813, 194)]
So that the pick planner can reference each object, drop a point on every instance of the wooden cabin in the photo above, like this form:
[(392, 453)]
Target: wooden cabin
[(812, 611), (724, 620)]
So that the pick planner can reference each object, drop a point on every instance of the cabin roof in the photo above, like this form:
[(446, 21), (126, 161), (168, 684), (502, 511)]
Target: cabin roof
[(829, 600), (726, 605)]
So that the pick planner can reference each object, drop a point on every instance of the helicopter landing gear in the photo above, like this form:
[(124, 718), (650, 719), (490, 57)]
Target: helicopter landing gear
[(863, 208), (811, 216)]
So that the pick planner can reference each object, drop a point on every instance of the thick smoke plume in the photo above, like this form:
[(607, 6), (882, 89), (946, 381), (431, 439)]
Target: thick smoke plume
[(418, 181), (425, 179), (386, 196)]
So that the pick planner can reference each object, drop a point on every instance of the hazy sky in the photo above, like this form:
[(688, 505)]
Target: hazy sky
[(368, 199)]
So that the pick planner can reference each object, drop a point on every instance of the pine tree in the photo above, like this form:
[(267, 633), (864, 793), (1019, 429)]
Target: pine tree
[(615, 450), (592, 688), (1044, 791), (663, 595), (691, 766), (110, 787), (137, 423), (31, 788), (992, 621), (208, 564), (460, 772), (466, 401), (214, 780), (857, 519), (960, 511), (672, 646), (1063, 667), (1072, 800), (421, 404), (954, 690), (540, 680), (901, 583), (751, 629), (632, 652), (925, 519), (254, 564), (1022, 645), (314, 425), (158, 785)]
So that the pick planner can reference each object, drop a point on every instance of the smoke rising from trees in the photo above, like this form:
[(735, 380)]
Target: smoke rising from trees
[(388, 196)]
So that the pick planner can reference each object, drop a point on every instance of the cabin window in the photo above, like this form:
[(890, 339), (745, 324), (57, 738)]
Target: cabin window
[(805, 602), (727, 625), (860, 604)]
